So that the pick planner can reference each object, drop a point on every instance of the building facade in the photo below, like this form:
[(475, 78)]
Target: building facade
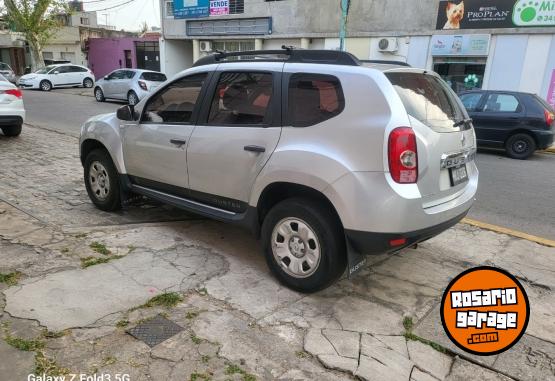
[(498, 44), (13, 49)]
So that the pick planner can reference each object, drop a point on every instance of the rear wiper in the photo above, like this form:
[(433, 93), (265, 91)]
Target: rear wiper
[(461, 122)]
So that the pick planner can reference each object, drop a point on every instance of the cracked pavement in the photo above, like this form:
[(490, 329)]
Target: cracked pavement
[(238, 321)]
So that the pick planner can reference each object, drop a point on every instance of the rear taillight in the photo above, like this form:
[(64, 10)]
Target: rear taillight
[(143, 85), (549, 117), (403, 156), (15, 92)]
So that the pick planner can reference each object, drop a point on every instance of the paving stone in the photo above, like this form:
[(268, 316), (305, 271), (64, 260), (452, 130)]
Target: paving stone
[(345, 343), (15, 365), (316, 344), (339, 362), (428, 359), (359, 315), (379, 362), (463, 371), (418, 375)]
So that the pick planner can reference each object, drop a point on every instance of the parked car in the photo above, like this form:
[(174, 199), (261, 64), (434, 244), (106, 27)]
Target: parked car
[(62, 75), (7, 72), (131, 85), (325, 158), (49, 61), (520, 123), (12, 110)]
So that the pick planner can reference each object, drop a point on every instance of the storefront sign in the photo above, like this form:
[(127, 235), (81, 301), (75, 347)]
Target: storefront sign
[(188, 9), (219, 7), (473, 45), (551, 91), (478, 14)]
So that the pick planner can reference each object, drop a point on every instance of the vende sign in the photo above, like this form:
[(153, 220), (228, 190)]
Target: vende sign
[(219, 7)]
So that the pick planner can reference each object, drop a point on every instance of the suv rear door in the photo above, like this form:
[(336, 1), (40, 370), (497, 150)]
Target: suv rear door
[(238, 129), (154, 149)]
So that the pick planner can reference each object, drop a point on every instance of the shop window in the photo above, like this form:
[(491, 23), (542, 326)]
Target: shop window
[(169, 8), (236, 6), (461, 73)]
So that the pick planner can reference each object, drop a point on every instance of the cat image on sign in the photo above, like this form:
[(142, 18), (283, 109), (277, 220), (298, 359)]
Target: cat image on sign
[(455, 13)]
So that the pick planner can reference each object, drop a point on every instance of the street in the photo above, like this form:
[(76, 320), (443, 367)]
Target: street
[(512, 193)]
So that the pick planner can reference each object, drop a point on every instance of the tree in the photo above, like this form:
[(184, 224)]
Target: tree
[(144, 28), (38, 20)]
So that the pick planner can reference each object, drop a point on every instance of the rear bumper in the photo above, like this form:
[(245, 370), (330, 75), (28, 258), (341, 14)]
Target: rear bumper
[(379, 243), (544, 138), (10, 120)]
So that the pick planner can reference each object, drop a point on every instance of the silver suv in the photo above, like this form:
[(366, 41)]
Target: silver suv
[(324, 157)]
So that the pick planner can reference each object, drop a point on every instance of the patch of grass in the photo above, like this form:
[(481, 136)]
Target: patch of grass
[(195, 339), (92, 261), (409, 335), (232, 369), (205, 358), (303, 354), (24, 345), (10, 279), (167, 299), (109, 360), (47, 366), (100, 248), (52, 335), (191, 315), (122, 323), (200, 377)]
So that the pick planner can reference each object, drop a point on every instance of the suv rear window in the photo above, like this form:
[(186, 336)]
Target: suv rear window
[(428, 99), (314, 98), (154, 77)]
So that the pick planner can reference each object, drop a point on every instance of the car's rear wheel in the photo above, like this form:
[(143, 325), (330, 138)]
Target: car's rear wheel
[(101, 181), (45, 85), (132, 98), (99, 95), (88, 83), (520, 146), (304, 244), (12, 130)]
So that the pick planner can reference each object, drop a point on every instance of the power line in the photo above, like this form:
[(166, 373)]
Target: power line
[(112, 7)]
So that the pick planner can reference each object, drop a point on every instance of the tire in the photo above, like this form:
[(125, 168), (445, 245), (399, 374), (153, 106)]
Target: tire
[(132, 98), (99, 95), (520, 146), (12, 130), (324, 236), (88, 83), (45, 85), (102, 181)]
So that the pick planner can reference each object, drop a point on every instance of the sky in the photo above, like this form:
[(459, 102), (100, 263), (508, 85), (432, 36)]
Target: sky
[(126, 14)]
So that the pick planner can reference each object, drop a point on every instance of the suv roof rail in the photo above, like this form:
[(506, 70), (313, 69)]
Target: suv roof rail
[(387, 62), (286, 54)]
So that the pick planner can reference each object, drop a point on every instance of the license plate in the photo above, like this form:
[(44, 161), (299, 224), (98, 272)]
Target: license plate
[(458, 175)]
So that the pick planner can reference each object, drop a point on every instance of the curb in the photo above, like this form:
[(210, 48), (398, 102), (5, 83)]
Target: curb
[(510, 232)]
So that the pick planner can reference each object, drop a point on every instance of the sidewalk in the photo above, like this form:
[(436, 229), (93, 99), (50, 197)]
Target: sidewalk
[(81, 278)]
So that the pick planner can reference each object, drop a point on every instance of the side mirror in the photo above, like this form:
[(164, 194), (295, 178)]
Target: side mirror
[(56, 72), (126, 113), (106, 78)]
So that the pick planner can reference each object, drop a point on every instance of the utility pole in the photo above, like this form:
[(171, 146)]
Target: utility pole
[(343, 27)]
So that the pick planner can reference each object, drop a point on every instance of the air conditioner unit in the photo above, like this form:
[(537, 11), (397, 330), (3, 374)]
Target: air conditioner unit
[(388, 45), (206, 46)]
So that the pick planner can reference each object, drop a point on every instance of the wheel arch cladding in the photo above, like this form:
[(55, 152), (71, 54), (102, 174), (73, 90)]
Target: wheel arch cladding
[(90, 145)]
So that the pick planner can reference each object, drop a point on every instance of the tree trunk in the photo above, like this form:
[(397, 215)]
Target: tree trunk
[(37, 60)]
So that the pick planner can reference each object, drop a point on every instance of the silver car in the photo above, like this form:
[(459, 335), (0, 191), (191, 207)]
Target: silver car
[(7, 72), (325, 158), (128, 84)]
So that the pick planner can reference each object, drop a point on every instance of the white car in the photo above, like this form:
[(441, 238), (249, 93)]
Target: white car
[(12, 111), (60, 75), (131, 85)]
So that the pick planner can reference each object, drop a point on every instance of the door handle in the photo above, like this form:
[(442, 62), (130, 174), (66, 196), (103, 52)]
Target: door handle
[(257, 149), (178, 142)]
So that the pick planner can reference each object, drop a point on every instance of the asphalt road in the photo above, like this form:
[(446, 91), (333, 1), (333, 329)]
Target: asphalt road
[(515, 194)]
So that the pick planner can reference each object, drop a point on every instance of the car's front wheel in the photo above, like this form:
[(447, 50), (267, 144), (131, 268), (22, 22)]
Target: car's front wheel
[(99, 95), (101, 181), (88, 83), (520, 146), (45, 85), (304, 244), (132, 98), (12, 130)]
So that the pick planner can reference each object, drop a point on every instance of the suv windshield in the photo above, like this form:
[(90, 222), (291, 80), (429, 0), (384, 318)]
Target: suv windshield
[(155, 77), (428, 99), (45, 70)]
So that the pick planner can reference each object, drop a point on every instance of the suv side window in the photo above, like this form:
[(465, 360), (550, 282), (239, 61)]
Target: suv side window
[(502, 103), (313, 98), (471, 100), (242, 99), (176, 102)]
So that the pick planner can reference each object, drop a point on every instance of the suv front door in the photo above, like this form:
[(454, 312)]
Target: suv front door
[(239, 128), (154, 149)]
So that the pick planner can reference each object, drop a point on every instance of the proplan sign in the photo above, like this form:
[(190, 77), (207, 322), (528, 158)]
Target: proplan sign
[(474, 45), (477, 14)]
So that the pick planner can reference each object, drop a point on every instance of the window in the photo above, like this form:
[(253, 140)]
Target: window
[(118, 74), (48, 55), (236, 6), (62, 69), (471, 100), (314, 98), (502, 103), (153, 76), (176, 102), (76, 69), (128, 74), (84, 20), (169, 8), (242, 99), (233, 46)]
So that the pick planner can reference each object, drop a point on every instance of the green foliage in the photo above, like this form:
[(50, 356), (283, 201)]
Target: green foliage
[(100, 248), (10, 279), (24, 345), (167, 299), (92, 261), (234, 369)]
